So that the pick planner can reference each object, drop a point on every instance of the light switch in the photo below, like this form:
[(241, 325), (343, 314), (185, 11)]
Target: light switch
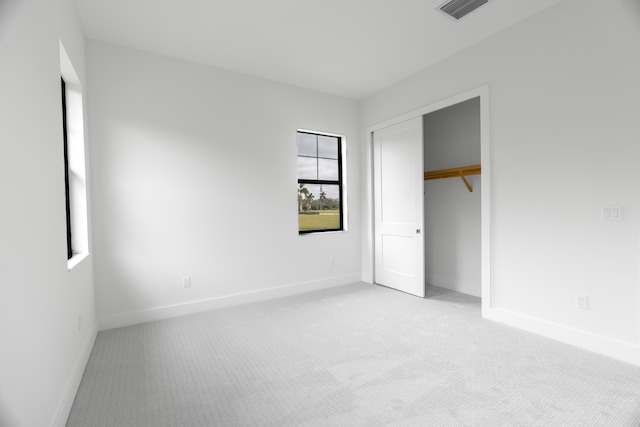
[(611, 213)]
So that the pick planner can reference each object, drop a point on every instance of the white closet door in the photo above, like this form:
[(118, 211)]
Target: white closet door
[(399, 206)]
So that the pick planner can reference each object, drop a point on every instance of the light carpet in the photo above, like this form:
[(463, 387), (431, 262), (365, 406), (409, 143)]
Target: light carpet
[(357, 355)]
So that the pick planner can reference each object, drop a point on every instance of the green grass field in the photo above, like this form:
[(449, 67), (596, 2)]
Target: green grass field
[(329, 219)]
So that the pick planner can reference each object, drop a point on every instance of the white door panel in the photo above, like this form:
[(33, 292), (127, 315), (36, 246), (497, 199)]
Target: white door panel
[(398, 194), (393, 260)]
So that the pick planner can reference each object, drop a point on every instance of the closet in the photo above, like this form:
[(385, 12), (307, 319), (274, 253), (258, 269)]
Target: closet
[(452, 199)]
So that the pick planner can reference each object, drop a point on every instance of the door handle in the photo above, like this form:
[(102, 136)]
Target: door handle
[(417, 231)]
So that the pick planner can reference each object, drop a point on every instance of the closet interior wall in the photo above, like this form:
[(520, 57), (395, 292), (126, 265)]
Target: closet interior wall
[(452, 213)]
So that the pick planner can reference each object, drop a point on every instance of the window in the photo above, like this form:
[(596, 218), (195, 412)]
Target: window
[(74, 163), (66, 167), (320, 182)]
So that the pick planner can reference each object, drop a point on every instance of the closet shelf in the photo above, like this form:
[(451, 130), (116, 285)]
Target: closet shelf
[(454, 173)]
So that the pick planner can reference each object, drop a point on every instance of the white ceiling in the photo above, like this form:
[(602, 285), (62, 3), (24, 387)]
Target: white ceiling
[(351, 48)]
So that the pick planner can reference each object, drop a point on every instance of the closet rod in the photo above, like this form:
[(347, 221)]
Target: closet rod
[(454, 173)]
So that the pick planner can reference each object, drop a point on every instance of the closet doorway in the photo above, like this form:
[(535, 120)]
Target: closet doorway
[(452, 197), (451, 152)]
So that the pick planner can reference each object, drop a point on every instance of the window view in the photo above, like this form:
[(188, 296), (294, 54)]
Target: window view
[(319, 182)]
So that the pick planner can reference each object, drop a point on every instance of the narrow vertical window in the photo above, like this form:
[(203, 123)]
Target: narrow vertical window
[(320, 182), (75, 177), (66, 167)]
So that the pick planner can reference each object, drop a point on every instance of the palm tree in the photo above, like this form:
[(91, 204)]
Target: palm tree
[(323, 199), (303, 194), (310, 198)]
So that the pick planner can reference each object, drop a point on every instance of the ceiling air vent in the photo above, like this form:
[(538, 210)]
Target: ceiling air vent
[(459, 8)]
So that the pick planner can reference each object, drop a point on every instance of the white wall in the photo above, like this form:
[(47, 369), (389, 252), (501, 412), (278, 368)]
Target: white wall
[(451, 212), (564, 108), (42, 351), (195, 174)]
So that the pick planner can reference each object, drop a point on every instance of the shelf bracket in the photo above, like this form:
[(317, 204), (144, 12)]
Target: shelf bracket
[(467, 184)]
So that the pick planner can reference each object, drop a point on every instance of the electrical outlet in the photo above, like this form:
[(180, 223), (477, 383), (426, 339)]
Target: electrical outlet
[(186, 282), (332, 262), (581, 302)]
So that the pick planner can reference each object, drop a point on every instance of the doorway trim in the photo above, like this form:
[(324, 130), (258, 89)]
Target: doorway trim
[(485, 183)]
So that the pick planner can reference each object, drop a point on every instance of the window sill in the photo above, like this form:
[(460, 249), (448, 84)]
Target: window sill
[(315, 233), (75, 260)]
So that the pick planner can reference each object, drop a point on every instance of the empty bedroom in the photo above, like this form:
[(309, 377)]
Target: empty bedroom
[(355, 213)]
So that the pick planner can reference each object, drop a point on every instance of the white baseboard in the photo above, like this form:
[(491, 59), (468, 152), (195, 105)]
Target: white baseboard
[(64, 408), (620, 350), (461, 286), (120, 320)]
